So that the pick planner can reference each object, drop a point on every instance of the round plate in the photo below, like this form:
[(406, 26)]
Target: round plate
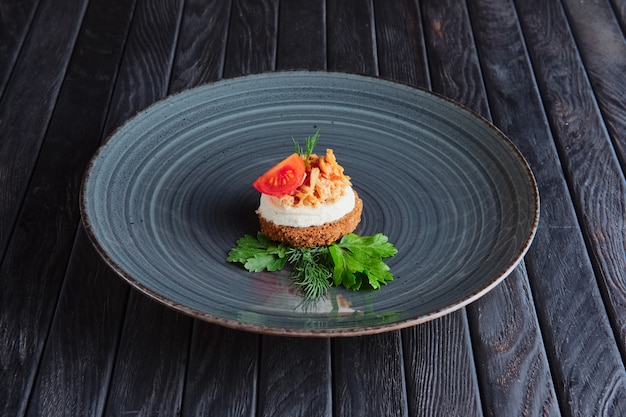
[(168, 195)]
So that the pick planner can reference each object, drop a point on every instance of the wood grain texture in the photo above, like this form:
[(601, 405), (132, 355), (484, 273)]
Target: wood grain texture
[(295, 377), (252, 37), (619, 7), (440, 374), (580, 128), (351, 35), (302, 35), (222, 373), (511, 360), (15, 20), (149, 370), (456, 73), (400, 42), (89, 314), (439, 369), (40, 247), (602, 45), (144, 74), (566, 293), (455, 69), (28, 101), (222, 369), (149, 373), (586, 147), (368, 373), (201, 44)]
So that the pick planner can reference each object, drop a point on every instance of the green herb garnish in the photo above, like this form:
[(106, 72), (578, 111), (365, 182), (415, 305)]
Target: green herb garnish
[(358, 259), (310, 270), (309, 145), (351, 262), (259, 253)]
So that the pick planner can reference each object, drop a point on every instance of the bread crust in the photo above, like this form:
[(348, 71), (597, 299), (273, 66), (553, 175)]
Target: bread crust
[(314, 235)]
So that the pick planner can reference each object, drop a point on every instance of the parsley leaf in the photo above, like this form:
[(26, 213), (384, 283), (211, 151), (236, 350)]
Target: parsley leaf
[(357, 258), (259, 253), (377, 245)]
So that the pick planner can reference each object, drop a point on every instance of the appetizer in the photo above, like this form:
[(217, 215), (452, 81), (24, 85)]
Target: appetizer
[(307, 200), (308, 212)]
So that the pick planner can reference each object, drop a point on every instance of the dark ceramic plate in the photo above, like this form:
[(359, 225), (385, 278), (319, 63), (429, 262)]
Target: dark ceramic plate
[(167, 196)]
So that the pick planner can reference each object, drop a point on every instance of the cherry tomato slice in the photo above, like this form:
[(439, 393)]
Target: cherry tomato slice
[(283, 178)]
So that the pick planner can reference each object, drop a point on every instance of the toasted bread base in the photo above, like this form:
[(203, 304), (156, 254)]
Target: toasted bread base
[(325, 234)]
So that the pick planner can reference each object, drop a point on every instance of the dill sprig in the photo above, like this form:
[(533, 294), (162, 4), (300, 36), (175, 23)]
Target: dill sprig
[(310, 272), (309, 145)]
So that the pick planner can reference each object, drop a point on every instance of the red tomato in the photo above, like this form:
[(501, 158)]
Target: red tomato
[(283, 178)]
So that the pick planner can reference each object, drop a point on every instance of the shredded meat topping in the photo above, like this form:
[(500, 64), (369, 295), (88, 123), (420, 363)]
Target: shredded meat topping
[(324, 182)]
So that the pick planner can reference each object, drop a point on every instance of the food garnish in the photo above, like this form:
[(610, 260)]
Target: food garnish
[(353, 262), (283, 178), (309, 145)]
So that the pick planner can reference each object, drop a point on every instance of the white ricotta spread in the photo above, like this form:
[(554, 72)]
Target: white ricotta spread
[(271, 209)]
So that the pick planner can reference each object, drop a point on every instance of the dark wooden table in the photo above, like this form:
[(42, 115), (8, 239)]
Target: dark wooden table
[(550, 340)]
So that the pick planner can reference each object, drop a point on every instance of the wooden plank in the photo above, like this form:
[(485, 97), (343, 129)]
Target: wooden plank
[(526, 387), (455, 70), (222, 373), (28, 101), (602, 46), (302, 35), (222, 370), (619, 7), (15, 20), (295, 377), (144, 74), (368, 376), (440, 374), (252, 37), (451, 385), (368, 371), (351, 35), (511, 359), (34, 266), (149, 373), (400, 42), (149, 370), (568, 301), (201, 44), (584, 139), (157, 352), (89, 314)]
